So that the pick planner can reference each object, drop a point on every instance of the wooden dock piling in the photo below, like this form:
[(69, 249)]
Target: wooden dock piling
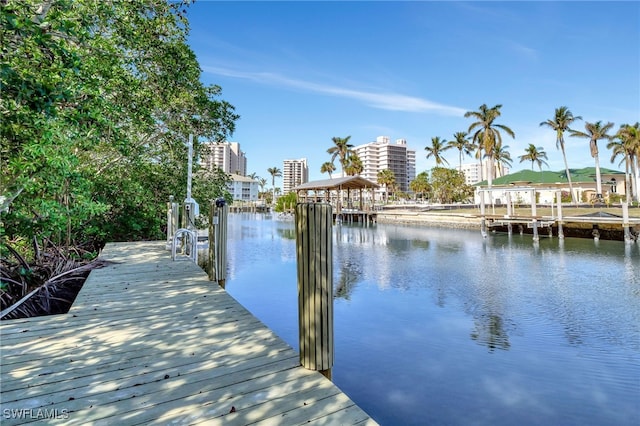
[(534, 221), (625, 222), (314, 249), (560, 230), (217, 265)]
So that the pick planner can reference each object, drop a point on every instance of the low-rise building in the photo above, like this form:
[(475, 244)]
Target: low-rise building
[(243, 188), (548, 183)]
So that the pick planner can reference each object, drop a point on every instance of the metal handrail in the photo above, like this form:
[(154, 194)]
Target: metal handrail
[(190, 240)]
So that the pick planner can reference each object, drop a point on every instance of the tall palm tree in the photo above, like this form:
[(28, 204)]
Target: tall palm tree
[(420, 185), (534, 154), (502, 158), (437, 148), (487, 133), (341, 149), (386, 178), (560, 123), (328, 167), (594, 132), (274, 172), (354, 165), (263, 183), (627, 145), (461, 143)]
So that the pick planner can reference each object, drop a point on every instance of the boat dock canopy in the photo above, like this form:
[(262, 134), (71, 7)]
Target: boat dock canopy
[(348, 182)]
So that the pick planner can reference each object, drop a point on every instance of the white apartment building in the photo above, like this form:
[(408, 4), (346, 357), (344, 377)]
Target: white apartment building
[(382, 154), (225, 155), (243, 188), (294, 173), (474, 172)]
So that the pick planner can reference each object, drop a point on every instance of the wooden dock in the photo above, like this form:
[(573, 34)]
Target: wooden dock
[(355, 216), (151, 341)]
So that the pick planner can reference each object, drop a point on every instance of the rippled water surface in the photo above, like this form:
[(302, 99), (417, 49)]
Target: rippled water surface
[(442, 327)]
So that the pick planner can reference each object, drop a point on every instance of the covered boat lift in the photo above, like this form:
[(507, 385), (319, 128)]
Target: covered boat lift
[(352, 197)]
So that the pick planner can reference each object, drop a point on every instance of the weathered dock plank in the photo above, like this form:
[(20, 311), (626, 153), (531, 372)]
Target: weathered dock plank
[(151, 341)]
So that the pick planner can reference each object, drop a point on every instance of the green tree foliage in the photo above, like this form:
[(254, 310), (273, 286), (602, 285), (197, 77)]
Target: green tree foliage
[(502, 157), (341, 149), (487, 133), (328, 167), (354, 165), (594, 132), (437, 149), (462, 144), (535, 154), (387, 178), (97, 100), (560, 123), (286, 202), (420, 185), (449, 186), (274, 172), (626, 144)]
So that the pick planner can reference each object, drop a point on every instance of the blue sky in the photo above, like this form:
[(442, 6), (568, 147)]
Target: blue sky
[(300, 73)]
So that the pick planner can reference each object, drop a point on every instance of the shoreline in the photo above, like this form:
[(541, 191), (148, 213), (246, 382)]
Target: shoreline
[(459, 220), (448, 220)]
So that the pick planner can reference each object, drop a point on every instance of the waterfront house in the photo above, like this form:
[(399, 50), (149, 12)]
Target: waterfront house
[(547, 183)]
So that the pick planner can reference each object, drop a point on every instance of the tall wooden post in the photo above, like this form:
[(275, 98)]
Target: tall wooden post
[(533, 214), (314, 251), (560, 221), (483, 224), (172, 220), (217, 266), (625, 222)]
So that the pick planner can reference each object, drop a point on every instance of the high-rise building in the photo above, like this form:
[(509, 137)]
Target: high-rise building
[(294, 173), (382, 154), (225, 155)]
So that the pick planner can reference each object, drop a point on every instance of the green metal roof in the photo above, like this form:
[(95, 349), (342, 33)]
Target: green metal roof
[(584, 175)]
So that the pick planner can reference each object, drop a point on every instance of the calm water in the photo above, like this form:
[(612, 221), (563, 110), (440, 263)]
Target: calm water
[(442, 327)]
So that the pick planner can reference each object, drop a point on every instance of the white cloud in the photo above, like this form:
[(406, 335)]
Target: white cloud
[(523, 51), (380, 100)]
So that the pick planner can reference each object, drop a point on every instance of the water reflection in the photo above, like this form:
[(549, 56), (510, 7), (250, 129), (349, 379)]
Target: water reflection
[(489, 331), (462, 329)]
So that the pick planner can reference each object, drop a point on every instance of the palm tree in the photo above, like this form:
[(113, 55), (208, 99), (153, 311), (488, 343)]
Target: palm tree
[(386, 178), (462, 144), (420, 185), (342, 150), (594, 132), (253, 176), (627, 145), (354, 165), (263, 183), (328, 167), (560, 123), (502, 157), (437, 148), (535, 155), (487, 135), (274, 172)]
